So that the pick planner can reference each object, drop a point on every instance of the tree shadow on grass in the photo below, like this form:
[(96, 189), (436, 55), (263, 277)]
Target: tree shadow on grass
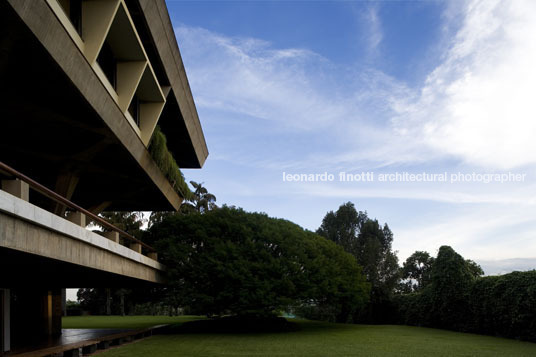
[(254, 325), (234, 324)]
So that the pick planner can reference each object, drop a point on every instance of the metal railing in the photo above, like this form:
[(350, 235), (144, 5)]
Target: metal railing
[(62, 200)]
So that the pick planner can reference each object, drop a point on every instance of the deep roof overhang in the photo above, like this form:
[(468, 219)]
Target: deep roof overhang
[(179, 120), (57, 117)]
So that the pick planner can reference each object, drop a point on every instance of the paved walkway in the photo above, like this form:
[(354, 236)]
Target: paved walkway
[(73, 339)]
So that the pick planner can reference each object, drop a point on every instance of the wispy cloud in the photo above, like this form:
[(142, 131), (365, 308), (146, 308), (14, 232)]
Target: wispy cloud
[(249, 77), (299, 111), (476, 106), (374, 33), (447, 193)]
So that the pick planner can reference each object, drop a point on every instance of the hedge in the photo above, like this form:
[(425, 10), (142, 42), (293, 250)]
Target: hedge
[(502, 305)]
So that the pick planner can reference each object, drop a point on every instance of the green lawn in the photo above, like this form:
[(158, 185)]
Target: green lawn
[(314, 339)]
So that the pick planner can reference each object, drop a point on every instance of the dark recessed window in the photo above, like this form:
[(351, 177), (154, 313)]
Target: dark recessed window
[(134, 109), (73, 9), (108, 63)]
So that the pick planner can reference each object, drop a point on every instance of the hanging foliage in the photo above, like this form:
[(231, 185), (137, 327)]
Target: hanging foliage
[(166, 162)]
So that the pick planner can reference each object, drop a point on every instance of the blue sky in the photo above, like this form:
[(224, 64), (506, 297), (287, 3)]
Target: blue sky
[(418, 86)]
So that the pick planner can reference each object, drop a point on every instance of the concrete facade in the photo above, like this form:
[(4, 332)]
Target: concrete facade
[(159, 75), (84, 84)]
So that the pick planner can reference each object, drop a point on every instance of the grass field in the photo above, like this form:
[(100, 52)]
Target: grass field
[(314, 339)]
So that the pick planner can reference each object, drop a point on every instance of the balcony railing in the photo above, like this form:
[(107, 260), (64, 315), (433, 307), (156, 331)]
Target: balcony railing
[(135, 243)]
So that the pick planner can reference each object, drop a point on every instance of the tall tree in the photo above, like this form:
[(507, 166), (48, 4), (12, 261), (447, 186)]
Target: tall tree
[(451, 278), (371, 245), (202, 200), (343, 226)]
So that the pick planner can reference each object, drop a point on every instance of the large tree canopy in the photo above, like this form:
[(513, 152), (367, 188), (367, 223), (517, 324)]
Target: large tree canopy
[(228, 261)]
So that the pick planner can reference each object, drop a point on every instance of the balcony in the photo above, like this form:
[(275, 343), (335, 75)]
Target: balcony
[(44, 247)]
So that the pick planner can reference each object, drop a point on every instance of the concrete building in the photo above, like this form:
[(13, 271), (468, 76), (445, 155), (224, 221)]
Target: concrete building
[(83, 85)]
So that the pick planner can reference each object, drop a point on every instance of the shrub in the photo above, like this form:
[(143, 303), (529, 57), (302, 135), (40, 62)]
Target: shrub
[(505, 305), (502, 305), (167, 164)]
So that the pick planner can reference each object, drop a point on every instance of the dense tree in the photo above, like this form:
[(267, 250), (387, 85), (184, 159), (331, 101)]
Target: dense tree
[(451, 278), (416, 271), (93, 300), (130, 222), (228, 261), (158, 216), (343, 227), (371, 245), (475, 269), (107, 300)]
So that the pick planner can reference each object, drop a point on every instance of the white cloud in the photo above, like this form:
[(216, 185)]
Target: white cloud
[(478, 104)]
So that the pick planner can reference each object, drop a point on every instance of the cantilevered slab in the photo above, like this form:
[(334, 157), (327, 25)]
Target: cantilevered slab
[(28, 231)]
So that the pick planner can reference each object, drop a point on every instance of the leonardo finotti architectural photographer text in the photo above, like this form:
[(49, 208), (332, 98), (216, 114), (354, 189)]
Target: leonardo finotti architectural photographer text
[(370, 176)]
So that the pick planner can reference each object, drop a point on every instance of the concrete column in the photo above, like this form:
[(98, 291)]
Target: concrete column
[(77, 218), (64, 302), (108, 301), (17, 188), (136, 247), (153, 255), (6, 319), (114, 236), (52, 311)]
